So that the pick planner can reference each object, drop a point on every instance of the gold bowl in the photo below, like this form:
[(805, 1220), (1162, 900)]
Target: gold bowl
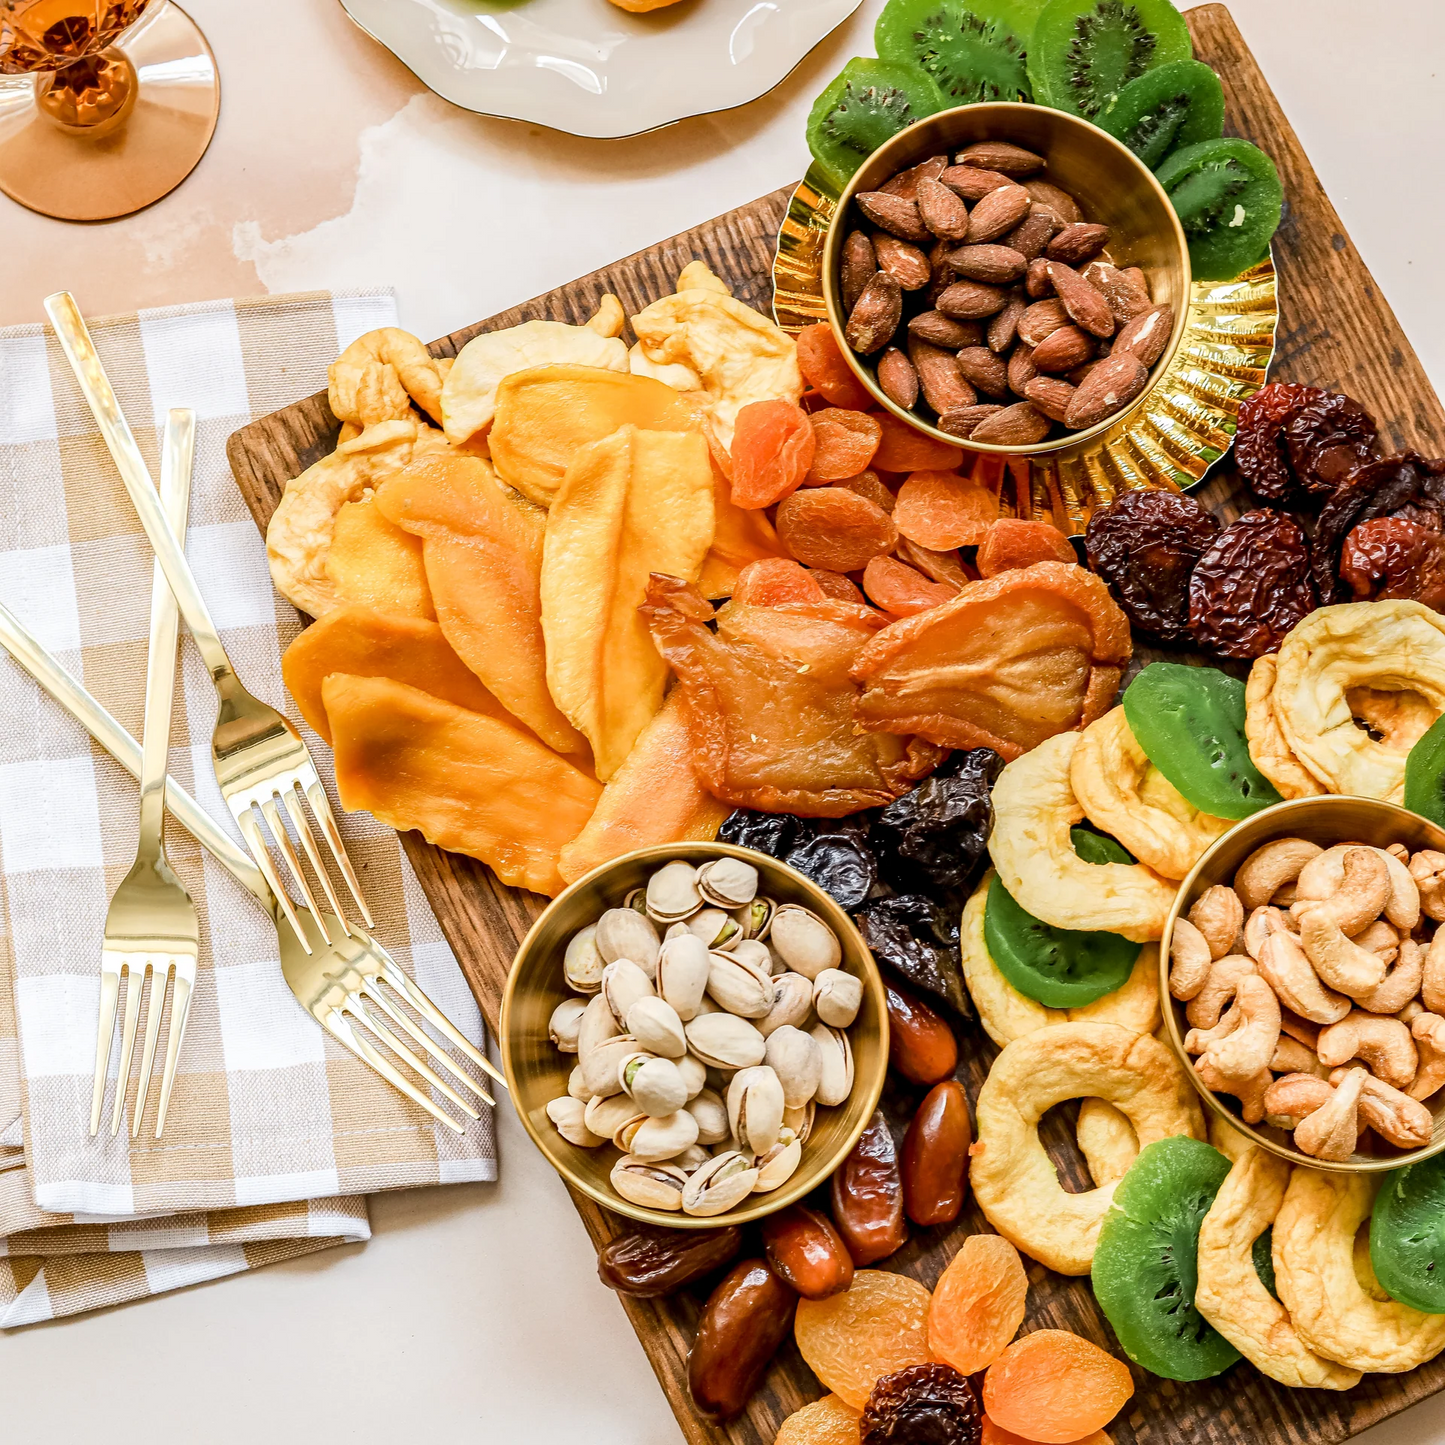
[(1112, 185), (1326, 821), (537, 1072)]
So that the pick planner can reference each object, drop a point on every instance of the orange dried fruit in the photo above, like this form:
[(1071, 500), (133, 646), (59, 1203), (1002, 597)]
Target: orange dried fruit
[(978, 1303), (846, 441), (738, 537), (869, 484), (1012, 542), (776, 580), (1054, 1387), (900, 589), (825, 1422), (373, 562), (941, 510), (834, 528), (1005, 664), (901, 449), (825, 369), (837, 586), (946, 567), (996, 1435), (876, 1327), (772, 450)]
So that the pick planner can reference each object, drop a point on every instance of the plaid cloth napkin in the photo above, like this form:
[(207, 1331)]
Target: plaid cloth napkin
[(274, 1130)]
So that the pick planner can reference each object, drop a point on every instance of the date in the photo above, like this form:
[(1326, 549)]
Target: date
[(646, 1263), (744, 1321), (805, 1252), (921, 1045), (868, 1196), (934, 1165)]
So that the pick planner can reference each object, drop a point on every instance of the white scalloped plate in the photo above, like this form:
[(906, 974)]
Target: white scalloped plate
[(588, 68)]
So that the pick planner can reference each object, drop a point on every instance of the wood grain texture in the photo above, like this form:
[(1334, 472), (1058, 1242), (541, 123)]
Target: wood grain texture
[(1336, 331)]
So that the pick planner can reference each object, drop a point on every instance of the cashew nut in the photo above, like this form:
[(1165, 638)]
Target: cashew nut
[(1395, 1116), (1189, 960), (1294, 1098), (1261, 923), (1247, 1049), (1285, 896), (1410, 1012), (1380, 937), (1402, 982), (1292, 1057), (1219, 915), (1321, 877), (1250, 1092), (1428, 1031), (1290, 974), (1270, 867), (1427, 868), (1298, 1028), (1384, 1044), (1208, 1004), (1339, 961), (1355, 901), (1432, 984), (1332, 1131), (1196, 1041)]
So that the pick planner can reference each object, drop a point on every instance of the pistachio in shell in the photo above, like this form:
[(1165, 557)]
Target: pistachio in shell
[(623, 983), (565, 1026), (654, 1186), (724, 1041), (755, 1108), (797, 1061), (672, 893), (739, 985), (654, 1023), (724, 1181), (804, 942), (568, 1118), (682, 969), (792, 1003), (837, 997), (711, 1115), (779, 1164), (663, 1138), (625, 933), (582, 964)]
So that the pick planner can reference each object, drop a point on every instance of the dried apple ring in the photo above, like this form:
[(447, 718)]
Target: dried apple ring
[(1328, 1286), (1107, 1141), (1231, 1295), (834, 528), (1034, 809), (1014, 1179), (1267, 747)]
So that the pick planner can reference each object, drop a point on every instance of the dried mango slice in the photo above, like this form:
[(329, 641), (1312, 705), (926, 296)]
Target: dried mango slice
[(1004, 665), (835, 528), (367, 643), (547, 414), (467, 783), (375, 563), (482, 546), (941, 510), (655, 797), (634, 503), (770, 706)]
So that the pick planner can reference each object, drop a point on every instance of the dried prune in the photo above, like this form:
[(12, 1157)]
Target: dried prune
[(1327, 437), (838, 864), (770, 833), (908, 934), (1251, 586), (1393, 557), (648, 1261), (1259, 441), (923, 1405), (1145, 545)]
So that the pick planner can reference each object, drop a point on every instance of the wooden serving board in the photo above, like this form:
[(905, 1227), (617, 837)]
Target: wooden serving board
[(1337, 331)]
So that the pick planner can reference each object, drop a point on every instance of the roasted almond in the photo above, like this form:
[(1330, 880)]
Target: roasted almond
[(1041, 320), (858, 266), (1003, 329), (1134, 274), (905, 183), (971, 184), (1020, 425), (895, 215), (897, 378), (1037, 282), (1126, 300), (1051, 394), (875, 315), (961, 423), (1076, 244), (941, 210), (1083, 303), (1147, 335), (1021, 368), (997, 265), (984, 370), (906, 263), (944, 331), (1001, 156), (1034, 232), (972, 300), (941, 273), (943, 385), (1061, 203), (1110, 386), (1080, 374), (997, 214), (1064, 349)]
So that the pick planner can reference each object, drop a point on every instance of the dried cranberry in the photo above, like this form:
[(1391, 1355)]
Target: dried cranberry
[(922, 1405), (1145, 545), (1259, 443), (1393, 557), (1327, 438), (1252, 586)]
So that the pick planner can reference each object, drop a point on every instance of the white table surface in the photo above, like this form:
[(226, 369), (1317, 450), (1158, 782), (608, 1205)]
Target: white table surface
[(475, 1310)]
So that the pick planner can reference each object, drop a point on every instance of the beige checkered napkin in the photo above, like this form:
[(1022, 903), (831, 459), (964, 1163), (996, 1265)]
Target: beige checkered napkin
[(272, 1125)]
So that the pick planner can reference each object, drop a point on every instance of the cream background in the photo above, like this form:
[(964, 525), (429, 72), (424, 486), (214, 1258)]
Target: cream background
[(476, 1309)]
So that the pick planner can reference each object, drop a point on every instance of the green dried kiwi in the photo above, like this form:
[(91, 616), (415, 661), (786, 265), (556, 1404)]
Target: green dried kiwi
[(1175, 105), (1229, 200), (1084, 52), (868, 103), (1263, 1255), (1407, 1235), (972, 50), (1146, 1263), (1425, 775)]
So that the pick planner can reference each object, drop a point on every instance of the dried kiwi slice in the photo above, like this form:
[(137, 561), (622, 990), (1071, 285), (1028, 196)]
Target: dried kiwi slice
[(1425, 775), (868, 103), (972, 50), (1146, 1263), (1229, 199), (1407, 1236), (1084, 52), (1175, 105)]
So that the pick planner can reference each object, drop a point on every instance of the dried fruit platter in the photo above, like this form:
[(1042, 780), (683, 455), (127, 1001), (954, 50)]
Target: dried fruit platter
[(1336, 331)]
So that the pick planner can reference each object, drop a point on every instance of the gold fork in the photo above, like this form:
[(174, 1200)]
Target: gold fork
[(258, 756), (151, 929), (338, 981)]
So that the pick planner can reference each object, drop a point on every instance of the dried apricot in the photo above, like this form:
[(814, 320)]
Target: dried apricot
[(771, 453), (824, 368), (1011, 542), (771, 581), (978, 1303), (876, 1327), (901, 449), (834, 528), (946, 567), (900, 589), (996, 1435), (941, 510), (1055, 1387), (869, 484), (825, 1422), (837, 586), (845, 443)]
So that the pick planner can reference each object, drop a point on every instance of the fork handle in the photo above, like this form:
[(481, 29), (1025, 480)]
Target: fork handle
[(85, 362)]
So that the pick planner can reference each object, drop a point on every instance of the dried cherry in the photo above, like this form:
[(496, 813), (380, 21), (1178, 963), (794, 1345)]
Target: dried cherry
[(1145, 545), (770, 833), (1327, 437), (1394, 557), (1251, 586), (648, 1261), (1259, 440), (923, 1405), (838, 864), (907, 934)]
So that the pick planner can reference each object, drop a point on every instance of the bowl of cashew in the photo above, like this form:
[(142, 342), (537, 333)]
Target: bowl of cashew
[(1302, 974)]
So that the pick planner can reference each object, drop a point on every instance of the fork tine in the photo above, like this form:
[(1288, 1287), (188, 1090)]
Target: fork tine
[(297, 814), (104, 1037), (339, 1029), (358, 1008), (134, 987), (159, 980), (180, 1012), (283, 842), (261, 856), (321, 807), (429, 1044), (412, 993)]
